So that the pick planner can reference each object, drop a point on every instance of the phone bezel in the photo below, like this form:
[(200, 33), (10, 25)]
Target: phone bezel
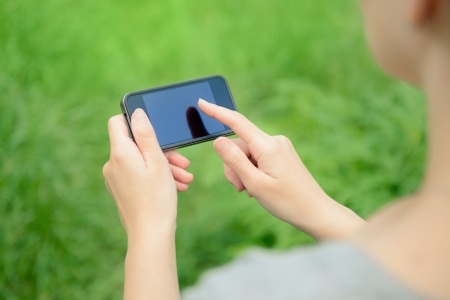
[(229, 104)]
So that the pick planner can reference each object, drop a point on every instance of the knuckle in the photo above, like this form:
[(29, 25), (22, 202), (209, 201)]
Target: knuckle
[(236, 118), (111, 121), (170, 154), (271, 146), (237, 115), (106, 169), (277, 143), (229, 173), (283, 140), (236, 159)]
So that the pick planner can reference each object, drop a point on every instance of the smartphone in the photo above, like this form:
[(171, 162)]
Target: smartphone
[(174, 112)]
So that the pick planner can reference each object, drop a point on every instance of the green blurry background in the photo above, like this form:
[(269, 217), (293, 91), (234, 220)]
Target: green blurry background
[(298, 68)]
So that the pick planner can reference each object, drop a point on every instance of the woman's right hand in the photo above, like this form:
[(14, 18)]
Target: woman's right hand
[(269, 169)]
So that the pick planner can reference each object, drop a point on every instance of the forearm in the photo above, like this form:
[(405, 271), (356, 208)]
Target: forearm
[(331, 220), (150, 266)]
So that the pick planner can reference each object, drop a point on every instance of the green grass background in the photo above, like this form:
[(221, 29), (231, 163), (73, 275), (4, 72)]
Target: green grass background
[(297, 68)]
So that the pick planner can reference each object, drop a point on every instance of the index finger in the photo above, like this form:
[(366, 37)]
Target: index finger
[(245, 129)]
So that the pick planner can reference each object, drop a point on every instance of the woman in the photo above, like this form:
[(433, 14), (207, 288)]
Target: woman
[(380, 259)]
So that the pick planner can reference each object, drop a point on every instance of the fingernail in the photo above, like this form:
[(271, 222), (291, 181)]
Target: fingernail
[(204, 101), (139, 115)]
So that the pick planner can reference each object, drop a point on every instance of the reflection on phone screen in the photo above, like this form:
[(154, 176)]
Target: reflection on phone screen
[(195, 123), (175, 115)]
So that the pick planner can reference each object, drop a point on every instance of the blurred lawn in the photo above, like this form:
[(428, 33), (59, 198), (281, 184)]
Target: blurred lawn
[(298, 68)]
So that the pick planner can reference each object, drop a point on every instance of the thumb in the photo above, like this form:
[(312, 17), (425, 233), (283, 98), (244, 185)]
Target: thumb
[(237, 160), (144, 134)]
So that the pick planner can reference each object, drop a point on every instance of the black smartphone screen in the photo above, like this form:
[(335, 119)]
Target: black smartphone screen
[(174, 112)]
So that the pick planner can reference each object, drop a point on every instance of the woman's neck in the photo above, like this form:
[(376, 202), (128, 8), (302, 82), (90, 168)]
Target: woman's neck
[(437, 87)]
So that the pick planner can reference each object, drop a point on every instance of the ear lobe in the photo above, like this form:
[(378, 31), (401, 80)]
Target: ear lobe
[(422, 11)]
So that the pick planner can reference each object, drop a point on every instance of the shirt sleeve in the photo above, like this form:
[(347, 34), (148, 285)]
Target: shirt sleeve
[(328, 271)]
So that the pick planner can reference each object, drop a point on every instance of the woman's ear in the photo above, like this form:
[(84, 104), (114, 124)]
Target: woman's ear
[(422, 11)]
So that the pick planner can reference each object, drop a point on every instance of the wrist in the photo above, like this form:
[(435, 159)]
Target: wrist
[(150, 264), (151, 231), (330, 220)]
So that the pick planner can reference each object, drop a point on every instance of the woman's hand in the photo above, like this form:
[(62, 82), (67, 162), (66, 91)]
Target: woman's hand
[(142, 179), (144, 182), (269, 169)]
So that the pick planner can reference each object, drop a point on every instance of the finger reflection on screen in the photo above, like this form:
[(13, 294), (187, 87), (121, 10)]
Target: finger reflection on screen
[(195, 123)]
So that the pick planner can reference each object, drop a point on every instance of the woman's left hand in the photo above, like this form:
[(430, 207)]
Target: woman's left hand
[(142, 179)]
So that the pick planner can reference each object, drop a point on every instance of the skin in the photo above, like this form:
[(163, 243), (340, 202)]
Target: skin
[(143, 182), (410, 40), (409, 238)]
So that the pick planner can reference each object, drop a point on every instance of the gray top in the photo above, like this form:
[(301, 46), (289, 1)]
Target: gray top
[(335, 270)]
